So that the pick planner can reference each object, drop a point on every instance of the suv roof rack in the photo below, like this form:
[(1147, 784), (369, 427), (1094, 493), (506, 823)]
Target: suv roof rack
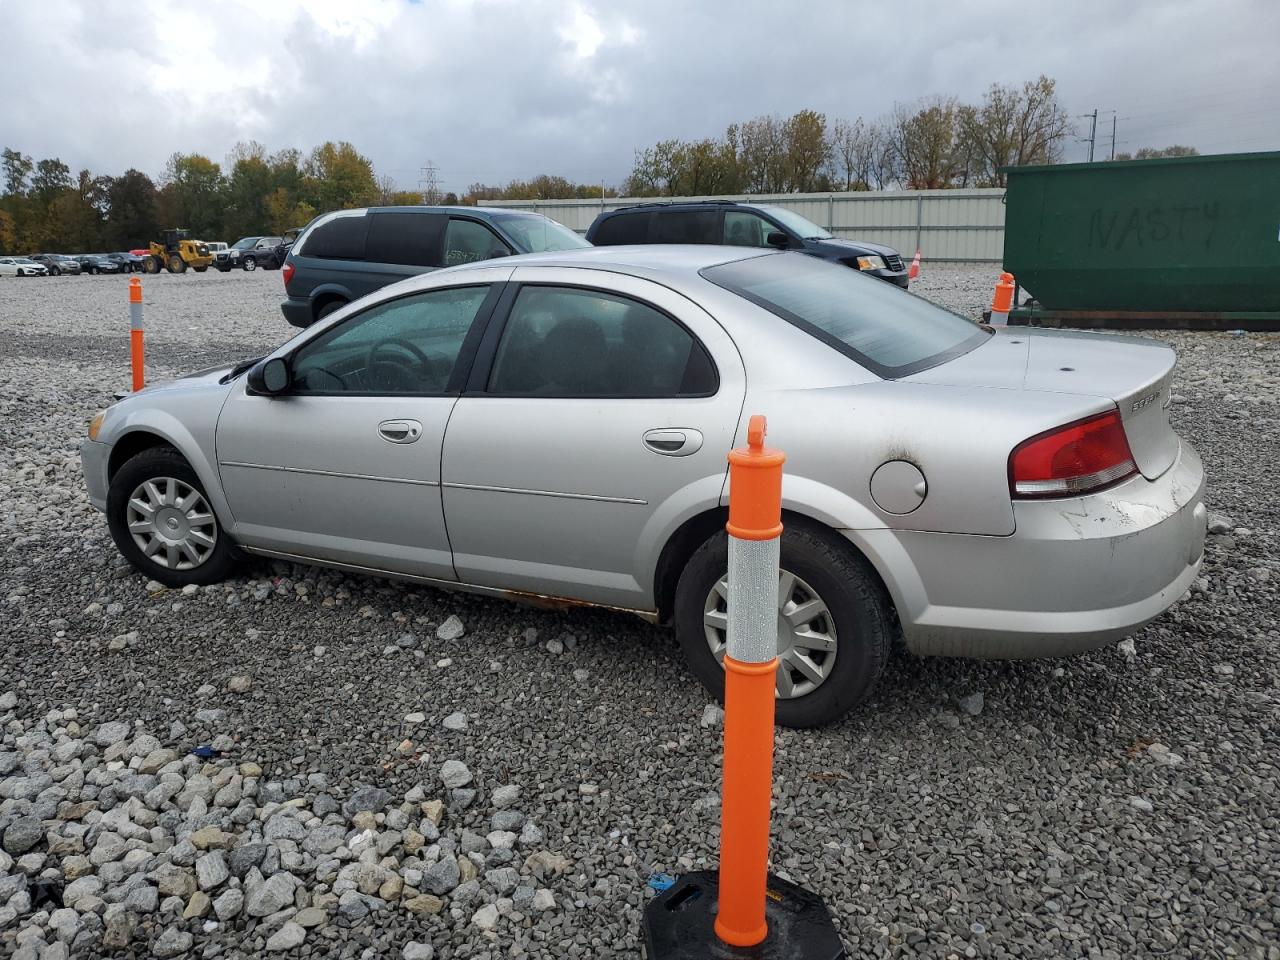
[(674, 203)]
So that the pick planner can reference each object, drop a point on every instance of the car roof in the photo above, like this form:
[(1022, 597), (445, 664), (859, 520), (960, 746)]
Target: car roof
[(650, 206), (637, 259)]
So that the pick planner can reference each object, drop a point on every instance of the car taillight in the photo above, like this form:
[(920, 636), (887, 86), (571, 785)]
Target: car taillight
[(287, 272), (1078, 458)]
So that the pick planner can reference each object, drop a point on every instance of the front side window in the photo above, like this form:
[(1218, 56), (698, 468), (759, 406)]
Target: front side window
[(405, 346), (797, 224), (742, 229), (570, 342), (890, 332), (466, 241)]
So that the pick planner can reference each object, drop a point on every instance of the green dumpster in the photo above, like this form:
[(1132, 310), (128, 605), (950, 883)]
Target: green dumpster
[(1186, 241)]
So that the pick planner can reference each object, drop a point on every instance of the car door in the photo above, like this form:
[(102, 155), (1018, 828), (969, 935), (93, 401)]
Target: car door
[(597, 418), (345, 465)]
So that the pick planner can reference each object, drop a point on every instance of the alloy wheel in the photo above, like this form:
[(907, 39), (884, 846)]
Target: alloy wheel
[(806, 634), (172, 523)]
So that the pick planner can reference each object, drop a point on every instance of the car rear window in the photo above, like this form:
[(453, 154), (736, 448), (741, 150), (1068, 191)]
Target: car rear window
[(342, 238), (623, 228), (412, 239), (889, 331)]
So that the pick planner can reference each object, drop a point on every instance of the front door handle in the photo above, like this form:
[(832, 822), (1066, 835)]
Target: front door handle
[(400, 431), (673, 441)]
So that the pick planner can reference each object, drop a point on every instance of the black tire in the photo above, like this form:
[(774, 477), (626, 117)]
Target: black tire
[(155, 463), (177, 264), (854, 596), (153, 265), (199, 269), (55, 272), (248, 263), (329, 308)]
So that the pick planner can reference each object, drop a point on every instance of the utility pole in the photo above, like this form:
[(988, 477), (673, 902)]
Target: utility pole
[(429, 183), (1113, 137), (1093, 133)]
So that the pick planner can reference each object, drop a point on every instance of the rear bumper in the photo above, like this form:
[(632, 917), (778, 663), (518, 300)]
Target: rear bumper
[(297, 312), (1077, 574)]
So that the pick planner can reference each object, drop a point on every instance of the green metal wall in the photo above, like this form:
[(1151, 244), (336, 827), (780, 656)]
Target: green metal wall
[(1178, 234)]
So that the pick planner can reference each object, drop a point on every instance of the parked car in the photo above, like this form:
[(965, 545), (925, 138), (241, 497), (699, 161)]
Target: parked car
[(988, 493), (21, 267), (345, 255), (57, 264), (742, 225), (96, 263), (250, 253), (129, 262), (286, 244)]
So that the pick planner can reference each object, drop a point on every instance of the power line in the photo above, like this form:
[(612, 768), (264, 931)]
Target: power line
[(429, 183)]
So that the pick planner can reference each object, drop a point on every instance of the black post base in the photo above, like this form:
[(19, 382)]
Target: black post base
[(679, 924)]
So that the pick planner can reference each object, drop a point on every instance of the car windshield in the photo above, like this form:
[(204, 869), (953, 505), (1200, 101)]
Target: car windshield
[(537, 234), (23, 260), (796, 223), (889, 331), (246, 243)]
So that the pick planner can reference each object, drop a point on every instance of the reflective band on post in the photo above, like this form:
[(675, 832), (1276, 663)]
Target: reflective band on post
[(753, 600)]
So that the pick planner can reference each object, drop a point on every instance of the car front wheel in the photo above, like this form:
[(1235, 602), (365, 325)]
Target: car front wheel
[(161, 521), (248, 263), (834, 623)]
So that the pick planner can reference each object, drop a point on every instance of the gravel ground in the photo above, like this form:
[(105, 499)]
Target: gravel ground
[(392, 782)]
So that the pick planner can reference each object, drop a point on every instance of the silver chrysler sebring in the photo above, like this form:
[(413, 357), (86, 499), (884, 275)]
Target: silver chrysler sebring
[(555, 427)]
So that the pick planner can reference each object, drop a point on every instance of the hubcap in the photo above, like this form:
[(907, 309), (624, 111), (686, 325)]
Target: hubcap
[(806, 634), (171, 523)]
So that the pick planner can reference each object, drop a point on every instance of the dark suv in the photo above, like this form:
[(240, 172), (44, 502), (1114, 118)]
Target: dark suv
[(742, 225), (342, 256)]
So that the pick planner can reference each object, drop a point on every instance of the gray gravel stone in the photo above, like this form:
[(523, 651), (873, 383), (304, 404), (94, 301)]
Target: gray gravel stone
[(21, 835), (451, 629)]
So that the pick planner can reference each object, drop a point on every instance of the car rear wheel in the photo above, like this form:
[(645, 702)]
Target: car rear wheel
[(55, 272), (161, 521), (153, 265), (329, 308), (834, 623), (248, 263)]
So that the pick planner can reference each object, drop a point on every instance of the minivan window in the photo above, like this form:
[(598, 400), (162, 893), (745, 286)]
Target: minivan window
[(411, 239), (623, 228), (745, 229), (797, 224), (538, 234), (687, 226), (341, 238), (886, 330), (466, 241)]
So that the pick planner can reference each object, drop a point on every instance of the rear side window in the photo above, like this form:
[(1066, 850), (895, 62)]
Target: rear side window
[(687, 226), (466, 241), (890, 332), (411, 239), (623, 228), (570, 342), (342, 238)]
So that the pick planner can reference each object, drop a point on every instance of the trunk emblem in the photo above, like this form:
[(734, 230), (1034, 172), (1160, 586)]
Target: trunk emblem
[(1143, 402)]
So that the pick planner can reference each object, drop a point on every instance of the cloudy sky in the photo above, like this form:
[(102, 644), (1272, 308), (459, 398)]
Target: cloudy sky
[(495, 89)]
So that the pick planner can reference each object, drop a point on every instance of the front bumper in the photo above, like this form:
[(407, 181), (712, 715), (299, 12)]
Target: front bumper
[(898, 278), (93, 461), (1076, 574)]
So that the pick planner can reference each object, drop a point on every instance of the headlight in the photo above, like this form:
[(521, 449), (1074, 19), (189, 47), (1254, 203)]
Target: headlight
[(871, 263), (95, 425)]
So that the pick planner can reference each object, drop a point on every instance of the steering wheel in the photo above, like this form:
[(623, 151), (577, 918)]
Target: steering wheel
[(424, 366)]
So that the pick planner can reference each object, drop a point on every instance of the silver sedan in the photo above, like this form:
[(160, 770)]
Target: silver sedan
[(555, 426)]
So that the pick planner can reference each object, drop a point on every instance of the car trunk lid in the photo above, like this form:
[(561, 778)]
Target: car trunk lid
[(1134, 373)]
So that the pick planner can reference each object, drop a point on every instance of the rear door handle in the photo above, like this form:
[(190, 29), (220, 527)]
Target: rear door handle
[(400, 431), (673, 441)]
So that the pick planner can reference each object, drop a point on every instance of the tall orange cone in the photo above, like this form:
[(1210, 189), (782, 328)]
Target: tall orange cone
[(1002, 301), (743, 911), (136, 349), (914, 272)]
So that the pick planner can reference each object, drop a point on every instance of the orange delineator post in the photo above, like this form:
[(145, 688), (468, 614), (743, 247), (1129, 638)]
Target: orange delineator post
[(1002, 300), (751, 663), (136, 353)]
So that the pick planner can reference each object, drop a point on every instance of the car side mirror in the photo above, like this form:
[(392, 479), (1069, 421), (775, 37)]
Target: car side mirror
[(270, 377), (777, 238)]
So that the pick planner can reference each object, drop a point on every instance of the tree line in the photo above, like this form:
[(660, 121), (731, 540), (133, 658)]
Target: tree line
[(45, 208)]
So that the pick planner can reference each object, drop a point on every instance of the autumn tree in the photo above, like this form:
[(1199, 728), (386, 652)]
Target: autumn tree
[(923, 140), (1154, 153), (337, 177), (131, 210), (1013, 126), (192, 195)]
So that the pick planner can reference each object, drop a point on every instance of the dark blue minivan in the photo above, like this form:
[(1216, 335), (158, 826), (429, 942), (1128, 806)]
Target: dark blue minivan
[(342, 256)]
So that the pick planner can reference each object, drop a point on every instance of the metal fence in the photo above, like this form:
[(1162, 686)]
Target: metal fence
[(945, 225)]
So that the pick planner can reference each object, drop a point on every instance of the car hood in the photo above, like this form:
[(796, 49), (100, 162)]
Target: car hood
[(1132, 372)]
